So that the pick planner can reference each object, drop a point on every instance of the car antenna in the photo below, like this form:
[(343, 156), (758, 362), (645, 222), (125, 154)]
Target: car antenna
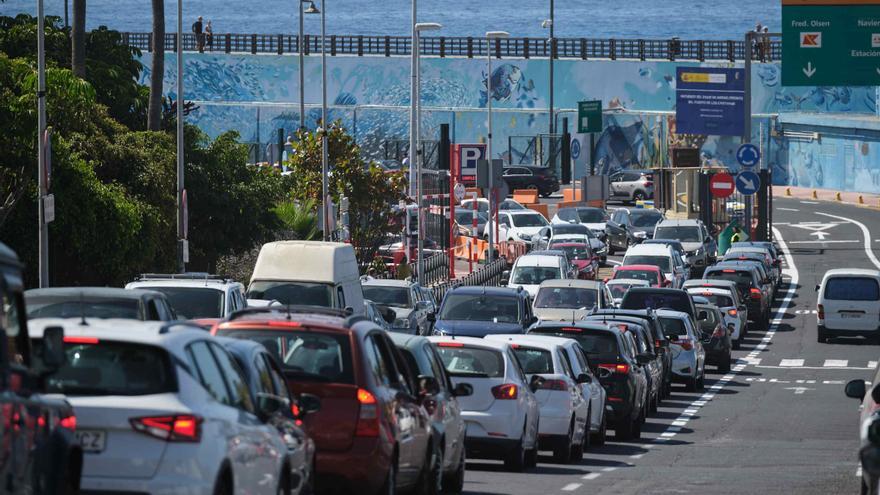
[(289, 316), (572, 317), (82, 310)]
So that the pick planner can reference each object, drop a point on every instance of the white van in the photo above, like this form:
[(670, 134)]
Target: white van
[(849, 304), (661, 256), (530, 270), (309, 273)]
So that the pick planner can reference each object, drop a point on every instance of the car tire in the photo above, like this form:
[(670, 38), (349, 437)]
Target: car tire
[(610, 247), (737, 343), (532, 457), (624, 429), (431, 475), (598, 438), (701, 383), (562, 451), (454, 483), (390, 485), (691, 384), (284, 487), (652, 408), (515, 460), (223, 485), (724, 364), (545, 194), (637, 426)]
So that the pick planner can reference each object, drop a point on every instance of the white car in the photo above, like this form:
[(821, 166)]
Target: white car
[(734, 319), (661, 256), (196, 295), (531, 270), (517, 225), (688, 355), (565, 411), (162, 408), (502, 414), (618, 287), (594, 218), (849, 304), (560, 300), (483, 205)]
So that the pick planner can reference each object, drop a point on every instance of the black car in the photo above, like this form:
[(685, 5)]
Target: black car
[(659, 298), (438, 394), (36, 455), (629, 226), (716, 336), (652, 322), (479, 311), (614, 359), (751, 287), (541, 179)]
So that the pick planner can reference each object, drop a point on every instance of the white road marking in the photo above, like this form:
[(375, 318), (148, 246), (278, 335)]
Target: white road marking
[(574, 486), (811, 381), (609, 469), (872, 364), (821, 242), (791, 363), (787, 209), (865, 232), (832, 382), (637, 456), (798, 390), (818, 368), (809, 202), (859, 471), (835, 363)]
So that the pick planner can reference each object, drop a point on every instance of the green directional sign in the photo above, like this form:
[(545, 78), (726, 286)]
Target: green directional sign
[(589, 116), (830, 45)]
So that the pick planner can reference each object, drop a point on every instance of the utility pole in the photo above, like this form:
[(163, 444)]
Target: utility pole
[(41, 147), (552, 53), (325, 159), (747, 123), (182, 243)]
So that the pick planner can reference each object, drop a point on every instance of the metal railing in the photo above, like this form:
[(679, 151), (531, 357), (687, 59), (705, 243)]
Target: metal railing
[(442, 46), (488, 275), (435, 268)]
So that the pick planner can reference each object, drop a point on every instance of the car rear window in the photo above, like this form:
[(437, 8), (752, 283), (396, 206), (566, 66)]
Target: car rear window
[(710, 322), (742, 278), (592, 341), (664, 263), (304, 355), (566, 298), (534, 360), (302, 293), (683, 234), (75, 307), (392, 296), (852, 289), (474, 307), (650, 276), (471, 361), (673, 327), (716, 299), (194, 302), (635, 299), (101, 367), (618, 290)]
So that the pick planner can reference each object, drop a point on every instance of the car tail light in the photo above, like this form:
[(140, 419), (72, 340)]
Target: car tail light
[(508, 391), (616, 368), (285, 324), (658, 344), (755, 293), (820, 313), (728, 271), (572, 329), (450, 344), (719, 332), (368, 419), (80, 340), (732, 312), (685, 344), (179, 428), (296, 411), (623, 327), (648, 183), (556, 385), (68, 422)]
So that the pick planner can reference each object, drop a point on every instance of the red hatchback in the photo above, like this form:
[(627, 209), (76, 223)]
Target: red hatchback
[(650, 273), (581, 256), (372, 434)]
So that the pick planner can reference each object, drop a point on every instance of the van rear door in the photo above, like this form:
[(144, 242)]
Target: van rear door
[(852, 302)]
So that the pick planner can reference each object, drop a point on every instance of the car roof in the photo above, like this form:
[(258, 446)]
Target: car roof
[(736, 264), (621, 281), (852, 271), (649, 249), (477, 290), (136, 331), (585, 324), (668, 313), (522, 212), (684, 222), (539, 260), (657, 290), (700, 282), (472, 341), (723, 291), (386, 282), (632, 268), (539, 341), (546, 252), (576, 283), (675, 243), (73, 292), (218, 285), (302, 315)]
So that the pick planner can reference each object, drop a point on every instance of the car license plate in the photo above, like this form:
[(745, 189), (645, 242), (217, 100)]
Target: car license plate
[(850, 315), (92, 440)]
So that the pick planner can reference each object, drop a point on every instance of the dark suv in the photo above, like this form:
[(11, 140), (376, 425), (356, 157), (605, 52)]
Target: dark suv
[(751, 288), (36, 456), (541, 179), (660, 298), (480, 311), (615, 360)]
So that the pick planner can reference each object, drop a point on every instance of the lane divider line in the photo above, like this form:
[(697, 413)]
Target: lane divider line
[(865, 232)]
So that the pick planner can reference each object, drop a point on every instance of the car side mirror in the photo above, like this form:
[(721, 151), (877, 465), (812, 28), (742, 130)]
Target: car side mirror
[(422, 305), (584, 378), (855, 389), (309, 403), (463, 390), (875, 394), (536, 383), (269, 405), (505, 277), (387, 313), (644, 359), (817, 287), (428, 385), (52, 351), (534, 319)]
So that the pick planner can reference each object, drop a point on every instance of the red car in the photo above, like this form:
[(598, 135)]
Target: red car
[(582, 257), (650, 273), (372, 431)]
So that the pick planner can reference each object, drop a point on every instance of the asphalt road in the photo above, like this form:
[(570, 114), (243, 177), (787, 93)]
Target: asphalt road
[(778, 423)]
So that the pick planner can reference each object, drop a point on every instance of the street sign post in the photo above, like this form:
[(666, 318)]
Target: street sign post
[(831, 42), (748, 155), (748, 182), (710, 101), (589, 116), (458, 191), (721, 185)]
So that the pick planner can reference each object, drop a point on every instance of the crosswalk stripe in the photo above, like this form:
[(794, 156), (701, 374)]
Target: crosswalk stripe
[(792, 363), (835, 363), (872, 364)]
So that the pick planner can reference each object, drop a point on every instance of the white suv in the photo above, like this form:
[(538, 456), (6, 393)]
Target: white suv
[(196, 295), (162, 408), (849, 304), (517, 225)]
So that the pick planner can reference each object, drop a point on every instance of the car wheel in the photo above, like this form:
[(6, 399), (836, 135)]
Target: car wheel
[(639, 196), (654, 402), (224, 485), (610, 247), (562, 452), (691, 384), (637, 427), (454, 483), (701, 383), (284, 487), (546, 194), (598, 438), (737, 343), (390, 486), (624, 429), (516, 459), (724, 365), (432, 470)]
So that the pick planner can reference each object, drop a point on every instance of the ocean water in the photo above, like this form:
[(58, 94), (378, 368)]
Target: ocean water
[(648, 19)]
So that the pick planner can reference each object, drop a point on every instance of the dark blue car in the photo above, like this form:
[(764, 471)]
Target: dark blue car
[(481, 311)]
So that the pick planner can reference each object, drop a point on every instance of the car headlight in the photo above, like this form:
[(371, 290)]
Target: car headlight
[(640, 234), (525, 237), (401, 323)]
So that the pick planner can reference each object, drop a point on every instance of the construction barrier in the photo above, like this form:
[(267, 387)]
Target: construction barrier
[(540, 208), (571, 195), (525, 196), (475, 250)]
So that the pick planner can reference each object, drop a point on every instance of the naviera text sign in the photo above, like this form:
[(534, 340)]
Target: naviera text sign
[(710, 101), (830, 42)]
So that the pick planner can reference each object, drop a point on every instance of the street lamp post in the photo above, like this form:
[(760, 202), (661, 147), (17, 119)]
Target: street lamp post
[(550, 23), (416, 136), (302, 67), (182, 247), (41, 148), (325, 166), (491, 35)]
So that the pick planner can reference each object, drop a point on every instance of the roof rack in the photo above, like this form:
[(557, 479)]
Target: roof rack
[(183, 276)]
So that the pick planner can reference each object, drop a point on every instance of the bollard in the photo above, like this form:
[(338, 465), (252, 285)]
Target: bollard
[(861, 199), (788, 191), (837, 196), (815, 196)]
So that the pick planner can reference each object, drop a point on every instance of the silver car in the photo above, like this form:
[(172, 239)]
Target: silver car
[(618, 287), (699, 247), (632, 185), (406, 299), (726, 300), (688, 355)]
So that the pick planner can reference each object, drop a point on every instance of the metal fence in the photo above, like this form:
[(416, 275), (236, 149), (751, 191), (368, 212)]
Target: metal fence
[(566, 48), (435, 189), (488, 275), (435, 268), (398, 149)]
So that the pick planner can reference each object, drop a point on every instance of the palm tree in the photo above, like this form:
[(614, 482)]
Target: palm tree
[(298, 221), (78, 39), (157, 67)]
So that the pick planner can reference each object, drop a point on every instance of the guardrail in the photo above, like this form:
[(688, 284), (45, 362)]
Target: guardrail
[(435, 268), (442, 46), (488, 275)]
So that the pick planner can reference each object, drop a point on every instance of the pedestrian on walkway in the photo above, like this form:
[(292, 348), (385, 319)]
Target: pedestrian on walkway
[(765, 38), (737, 235), (209, 36), (757, 45), (198, 30)]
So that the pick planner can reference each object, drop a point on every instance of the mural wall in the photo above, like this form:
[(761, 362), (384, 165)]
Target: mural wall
[(257, 94)]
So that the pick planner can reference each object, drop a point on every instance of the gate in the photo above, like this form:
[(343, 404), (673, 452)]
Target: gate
[(435, 190), (717, 213)]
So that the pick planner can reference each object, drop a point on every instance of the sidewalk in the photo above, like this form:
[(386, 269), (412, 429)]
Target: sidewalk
[(806, 193)]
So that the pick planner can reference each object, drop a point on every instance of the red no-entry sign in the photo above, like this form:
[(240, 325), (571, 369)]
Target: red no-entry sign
[(722, 185)]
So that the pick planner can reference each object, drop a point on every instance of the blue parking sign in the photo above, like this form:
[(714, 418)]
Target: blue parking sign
[(748, 155), (748, 182)]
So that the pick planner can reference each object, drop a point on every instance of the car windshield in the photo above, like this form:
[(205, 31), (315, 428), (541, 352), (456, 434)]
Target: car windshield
[(194, 302), (570, 228), (591, 216), (301, 293), (534, 275), (647, 299), (618, 290), (478, 307), (852, 289), (482, 206), (683, 234), (673, 328), (102, 367), (533, 361), (509, 205), (530, 220), (592, 341), (645, 218), (304, 355), (392, 296), (74, 306), (566, 298), (661, 262), (463, 361), (650, 276), (574, 251)]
